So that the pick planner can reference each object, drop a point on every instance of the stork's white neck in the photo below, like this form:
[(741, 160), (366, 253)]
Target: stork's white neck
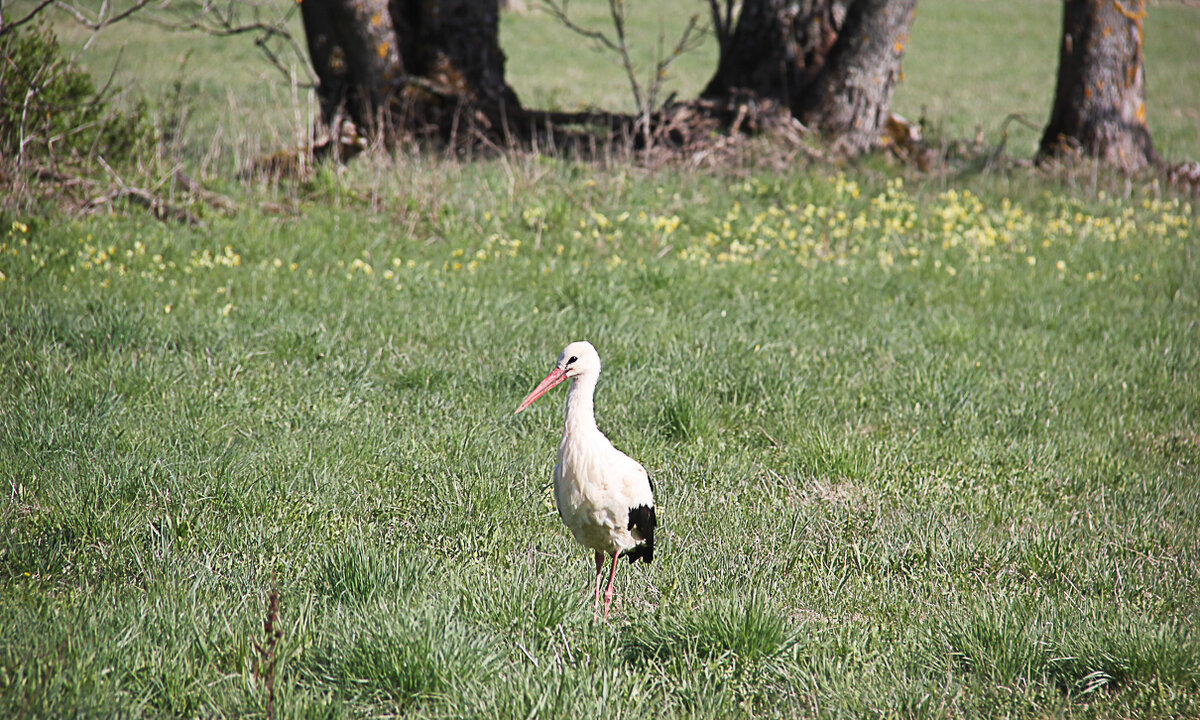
[(581, 417)]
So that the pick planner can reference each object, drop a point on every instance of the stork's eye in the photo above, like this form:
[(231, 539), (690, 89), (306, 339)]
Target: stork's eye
[(573, 359)]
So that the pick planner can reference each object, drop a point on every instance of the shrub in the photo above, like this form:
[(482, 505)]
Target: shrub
[(51, 109)]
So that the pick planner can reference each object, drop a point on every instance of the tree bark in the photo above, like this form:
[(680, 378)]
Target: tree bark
[(832, 63), (776, 49), (1099, 108), (353, 51), (848, 102), (434, 67), (429, 66)]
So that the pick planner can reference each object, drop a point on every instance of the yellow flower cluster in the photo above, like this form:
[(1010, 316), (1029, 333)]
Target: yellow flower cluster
[(813, 233), (22, 255), (605, 231), (208, 260), (831, 221), (893, 226), (495, 247)]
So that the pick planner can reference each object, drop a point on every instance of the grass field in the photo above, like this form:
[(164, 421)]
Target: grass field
[(922, 448)]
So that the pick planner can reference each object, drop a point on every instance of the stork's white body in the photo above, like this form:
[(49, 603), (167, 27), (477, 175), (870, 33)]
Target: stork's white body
[(603, 496), (595, 484)]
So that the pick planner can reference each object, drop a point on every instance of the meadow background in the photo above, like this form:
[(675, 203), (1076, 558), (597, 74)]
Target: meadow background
[(922, 446)]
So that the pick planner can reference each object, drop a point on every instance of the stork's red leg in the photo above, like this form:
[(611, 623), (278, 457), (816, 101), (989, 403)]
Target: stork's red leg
[(608, 593), (599, 578)]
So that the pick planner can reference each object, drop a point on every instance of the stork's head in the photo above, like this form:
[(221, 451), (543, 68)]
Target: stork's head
[(577, 359)]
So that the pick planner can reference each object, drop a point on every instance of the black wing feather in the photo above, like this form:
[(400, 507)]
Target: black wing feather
[(642, 519)]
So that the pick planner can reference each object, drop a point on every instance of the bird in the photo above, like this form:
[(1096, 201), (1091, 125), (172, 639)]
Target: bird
[(604, 497)]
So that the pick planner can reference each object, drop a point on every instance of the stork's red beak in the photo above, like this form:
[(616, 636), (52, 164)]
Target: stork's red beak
[(556, 376)]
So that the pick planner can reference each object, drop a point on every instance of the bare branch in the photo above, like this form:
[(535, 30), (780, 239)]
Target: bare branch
[(104, 16), (685, 44), (226, 21), (616, 8), (645, 100), (4, 29), (560, 14)]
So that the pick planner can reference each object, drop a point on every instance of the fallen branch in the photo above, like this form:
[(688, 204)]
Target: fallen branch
[(158, 207), (190, 186)]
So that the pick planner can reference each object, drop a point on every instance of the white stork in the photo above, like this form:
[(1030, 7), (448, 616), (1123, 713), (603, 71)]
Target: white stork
[(603, 496)]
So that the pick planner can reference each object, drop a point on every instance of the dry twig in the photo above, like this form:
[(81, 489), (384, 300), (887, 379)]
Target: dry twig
[(266, 650)]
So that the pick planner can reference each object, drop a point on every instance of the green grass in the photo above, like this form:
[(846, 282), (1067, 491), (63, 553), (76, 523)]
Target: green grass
[(920, 449), (942, 463)]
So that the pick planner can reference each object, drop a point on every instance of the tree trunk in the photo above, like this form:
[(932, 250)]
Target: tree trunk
[(775, 51), (429, 66), (1099, 107), (849, 100), (832, 63), (353, 51)]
